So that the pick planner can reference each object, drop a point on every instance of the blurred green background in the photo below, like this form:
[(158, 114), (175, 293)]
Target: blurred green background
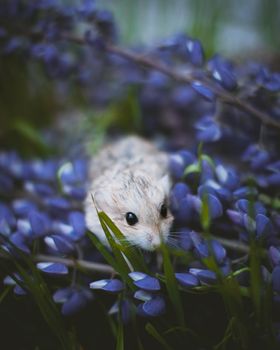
[(226, 26), (234, 28)]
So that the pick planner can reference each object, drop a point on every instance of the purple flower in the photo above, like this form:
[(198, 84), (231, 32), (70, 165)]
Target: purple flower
[(22, 207), (39, 222), (152, 308), (263, 225), (205, 276), (179, 191), (203, 91), (187, 280), (178, 162), (144, 281), (195, 51), (58, 203), (208, 130), (59, 243), (77, 221), (55, 269), (109, 285), (274, 255), (7, 215), (76, 301), (20, 242), (235, 216), (225, 77), (185, 241)]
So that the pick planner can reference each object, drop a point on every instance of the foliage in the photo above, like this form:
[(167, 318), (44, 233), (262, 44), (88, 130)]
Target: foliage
[(215, 282)]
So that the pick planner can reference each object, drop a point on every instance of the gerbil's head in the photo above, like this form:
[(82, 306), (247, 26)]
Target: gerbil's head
[(138, 205)]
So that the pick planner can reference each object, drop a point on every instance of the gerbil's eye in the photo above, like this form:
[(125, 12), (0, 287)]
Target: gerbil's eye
[(131, 218), (163, 211)]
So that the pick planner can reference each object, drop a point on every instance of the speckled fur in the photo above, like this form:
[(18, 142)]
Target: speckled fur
[(130, 176)]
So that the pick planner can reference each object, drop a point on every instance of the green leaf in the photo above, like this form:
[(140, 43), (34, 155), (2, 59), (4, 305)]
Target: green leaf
[(192, 168), (36, 286), (102, 249), (205, 215), (134, 256), (155, 334), (172, 286), (120, 332), (31, 134), (122, 266), (5, 293), (208, 160)]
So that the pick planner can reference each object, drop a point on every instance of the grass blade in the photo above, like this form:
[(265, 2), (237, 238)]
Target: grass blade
[(155, 334), (172, 286)]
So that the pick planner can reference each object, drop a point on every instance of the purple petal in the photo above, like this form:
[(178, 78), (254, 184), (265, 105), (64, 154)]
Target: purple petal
[(185, 240), (260, 160), (142, 295), (205, 276), (154, 307), (77, 221), (274, 167), (62, 295), (18, 290), (58, 203), (195, 51), (274, 255), (225, 77), (235, 217), (219, 251), (185, 211), (208, 130), (53, 268), (178, 162), (39, 222), (263, 225), (74, 304), (144, 281), (214, 205), (274, 179), (245, 206), (39, 188), (109, 285), (245, 192), (19, 241), (5, 228), (23, 207), (78, 193), (187, 280), (201, 250), (7, 215), (203, 90), (62, 244), (179, 191)]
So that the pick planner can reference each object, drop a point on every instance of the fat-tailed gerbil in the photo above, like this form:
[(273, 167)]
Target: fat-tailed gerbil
[(129, 181)]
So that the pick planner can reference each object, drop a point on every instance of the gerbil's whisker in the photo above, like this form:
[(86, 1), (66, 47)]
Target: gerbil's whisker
[(172, 242)]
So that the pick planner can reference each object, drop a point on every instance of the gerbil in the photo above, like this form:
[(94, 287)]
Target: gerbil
[(129, 181)]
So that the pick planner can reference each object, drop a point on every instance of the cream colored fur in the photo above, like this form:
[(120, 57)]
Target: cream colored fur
[(130, 176)]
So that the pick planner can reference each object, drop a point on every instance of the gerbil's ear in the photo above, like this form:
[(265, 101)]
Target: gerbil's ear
[(101, 200), (165, 183)]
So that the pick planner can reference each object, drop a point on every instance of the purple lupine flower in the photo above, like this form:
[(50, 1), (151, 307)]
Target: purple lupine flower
[(144, 281), (55, 269), (152, 308), (187, 280), (108, 285)]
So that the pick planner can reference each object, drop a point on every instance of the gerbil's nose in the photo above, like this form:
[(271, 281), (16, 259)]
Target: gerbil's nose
[(153, 240)]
